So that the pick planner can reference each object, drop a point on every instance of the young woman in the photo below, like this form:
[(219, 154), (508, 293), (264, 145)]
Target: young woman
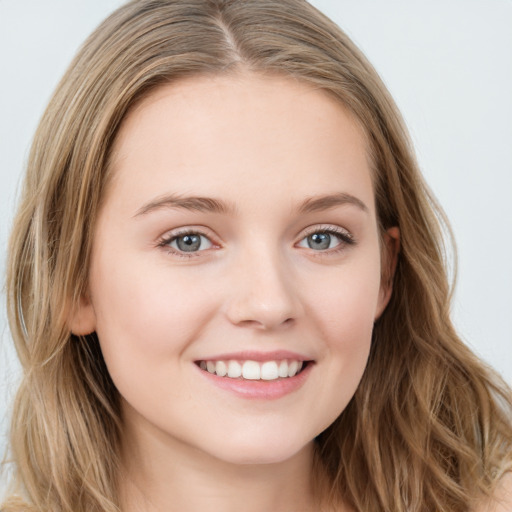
[(227, 286)]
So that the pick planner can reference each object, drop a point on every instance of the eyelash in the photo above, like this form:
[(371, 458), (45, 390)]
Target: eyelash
[(165, 242), (345, 239)]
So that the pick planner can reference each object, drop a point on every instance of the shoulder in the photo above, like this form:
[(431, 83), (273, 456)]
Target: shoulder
[(502, 499)]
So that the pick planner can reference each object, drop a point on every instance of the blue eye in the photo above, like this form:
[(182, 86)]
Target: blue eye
[(189, 242), (323, 240)]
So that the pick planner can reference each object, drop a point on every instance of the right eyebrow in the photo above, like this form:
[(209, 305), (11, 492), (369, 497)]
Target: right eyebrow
[(319, 203), (193, 203)]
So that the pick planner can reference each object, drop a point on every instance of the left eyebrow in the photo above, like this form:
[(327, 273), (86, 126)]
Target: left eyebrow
[(319, 203), (193, 203)]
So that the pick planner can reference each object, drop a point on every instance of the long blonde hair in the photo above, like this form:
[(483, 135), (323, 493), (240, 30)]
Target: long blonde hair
[(429, 427)]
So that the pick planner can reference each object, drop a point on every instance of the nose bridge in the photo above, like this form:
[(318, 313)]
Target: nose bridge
[(263, 293)]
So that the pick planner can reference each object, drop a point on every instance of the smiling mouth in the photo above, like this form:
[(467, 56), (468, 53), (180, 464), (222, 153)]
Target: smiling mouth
[(255, 370)]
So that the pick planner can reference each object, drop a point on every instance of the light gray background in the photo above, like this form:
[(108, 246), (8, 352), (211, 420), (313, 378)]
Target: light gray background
[(447, 63)]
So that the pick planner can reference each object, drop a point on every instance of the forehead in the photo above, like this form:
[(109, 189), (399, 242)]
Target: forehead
[(214, 134)]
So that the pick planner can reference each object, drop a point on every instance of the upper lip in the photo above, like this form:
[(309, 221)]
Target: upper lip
[(249, 355)]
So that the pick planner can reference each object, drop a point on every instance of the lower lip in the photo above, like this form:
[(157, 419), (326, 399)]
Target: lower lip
[(260, 389)]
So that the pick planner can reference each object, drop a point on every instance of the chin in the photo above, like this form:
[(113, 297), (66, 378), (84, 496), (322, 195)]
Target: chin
[(260, 452)]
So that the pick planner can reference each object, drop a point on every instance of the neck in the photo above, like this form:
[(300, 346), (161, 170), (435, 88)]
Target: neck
[(168, 475)]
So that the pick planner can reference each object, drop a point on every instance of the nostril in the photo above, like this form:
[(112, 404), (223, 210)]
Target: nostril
[(266, 322)]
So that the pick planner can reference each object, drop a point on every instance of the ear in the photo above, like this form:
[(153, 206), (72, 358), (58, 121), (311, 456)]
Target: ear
[(390, 250), (82, 318)]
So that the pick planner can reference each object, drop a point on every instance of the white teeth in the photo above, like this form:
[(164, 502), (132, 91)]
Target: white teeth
[(234, 370), (292, 368), (221, 369), (253, 370), (269, 370), (283, 369)]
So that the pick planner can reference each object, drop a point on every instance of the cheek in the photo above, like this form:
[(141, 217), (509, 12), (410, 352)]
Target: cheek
[(344, 312), (345, 306), (347, 323), (146, 316)]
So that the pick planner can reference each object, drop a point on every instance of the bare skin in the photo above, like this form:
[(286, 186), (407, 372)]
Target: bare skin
[(278, 260), (203, 483)]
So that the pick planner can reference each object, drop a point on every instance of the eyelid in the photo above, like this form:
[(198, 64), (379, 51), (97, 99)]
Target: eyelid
[(327, 228), (164, 240), (345, 236)]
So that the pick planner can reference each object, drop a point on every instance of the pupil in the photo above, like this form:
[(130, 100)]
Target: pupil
[(319, 241), (189, 243)]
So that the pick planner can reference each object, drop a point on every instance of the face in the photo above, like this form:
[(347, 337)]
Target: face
[(236, 267)]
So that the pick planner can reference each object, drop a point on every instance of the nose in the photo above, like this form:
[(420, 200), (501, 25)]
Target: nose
[(262, 294)]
